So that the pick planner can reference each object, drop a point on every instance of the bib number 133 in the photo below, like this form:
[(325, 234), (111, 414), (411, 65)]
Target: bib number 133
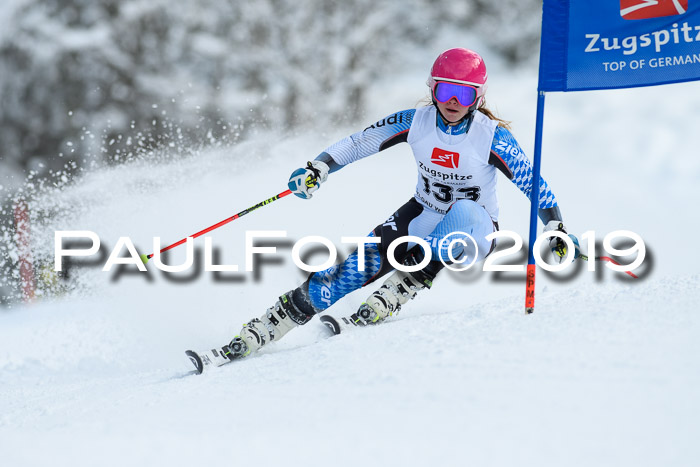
[(446, 193)]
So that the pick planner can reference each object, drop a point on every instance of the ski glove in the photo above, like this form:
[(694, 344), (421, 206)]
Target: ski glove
[(306, 180), (557, 244)]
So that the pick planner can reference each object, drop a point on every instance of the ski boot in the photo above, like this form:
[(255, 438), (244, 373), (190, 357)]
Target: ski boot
[(279, 319), (397, 289)]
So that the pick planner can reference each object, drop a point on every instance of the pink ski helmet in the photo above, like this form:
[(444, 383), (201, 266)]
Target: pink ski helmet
[(461, 66)]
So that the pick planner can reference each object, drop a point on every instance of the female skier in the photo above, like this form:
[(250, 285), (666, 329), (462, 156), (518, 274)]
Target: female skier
[(459, 145)]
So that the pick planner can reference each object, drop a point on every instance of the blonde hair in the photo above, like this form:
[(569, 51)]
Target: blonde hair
[(486, 111)]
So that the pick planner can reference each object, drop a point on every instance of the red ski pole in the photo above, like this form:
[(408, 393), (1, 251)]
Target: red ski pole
[(607, 258), (145, 257)]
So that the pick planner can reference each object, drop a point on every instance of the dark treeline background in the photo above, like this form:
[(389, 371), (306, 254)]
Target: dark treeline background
[(112, 78)]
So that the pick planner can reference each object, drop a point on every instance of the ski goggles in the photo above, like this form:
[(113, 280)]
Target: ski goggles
[(444, 91)]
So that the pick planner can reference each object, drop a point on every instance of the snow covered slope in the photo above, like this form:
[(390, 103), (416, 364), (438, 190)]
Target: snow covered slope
[(604, 373)]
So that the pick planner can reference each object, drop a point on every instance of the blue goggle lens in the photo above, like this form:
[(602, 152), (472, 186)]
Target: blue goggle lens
[(465, 94)]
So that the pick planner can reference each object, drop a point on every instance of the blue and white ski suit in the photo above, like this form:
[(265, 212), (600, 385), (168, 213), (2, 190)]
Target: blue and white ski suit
[(455, 191)]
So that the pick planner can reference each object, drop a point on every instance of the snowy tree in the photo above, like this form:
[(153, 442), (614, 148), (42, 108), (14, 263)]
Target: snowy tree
[(111, 79)]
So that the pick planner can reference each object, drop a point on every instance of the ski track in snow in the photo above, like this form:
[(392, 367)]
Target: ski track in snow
[(601, 376), (604, 373)]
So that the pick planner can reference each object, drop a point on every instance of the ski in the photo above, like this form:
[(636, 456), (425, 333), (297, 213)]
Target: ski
[(209, 358), (336, 326), (204, 360)]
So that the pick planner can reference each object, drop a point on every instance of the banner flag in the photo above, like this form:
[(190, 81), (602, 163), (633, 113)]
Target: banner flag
[(608, 44)]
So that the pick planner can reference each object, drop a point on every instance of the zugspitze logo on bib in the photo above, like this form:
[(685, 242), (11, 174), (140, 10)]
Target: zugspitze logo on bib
[(445, 158), (644, 9)]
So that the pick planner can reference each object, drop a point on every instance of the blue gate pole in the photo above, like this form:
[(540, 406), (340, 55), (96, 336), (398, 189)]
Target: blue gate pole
[(534, 206)]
